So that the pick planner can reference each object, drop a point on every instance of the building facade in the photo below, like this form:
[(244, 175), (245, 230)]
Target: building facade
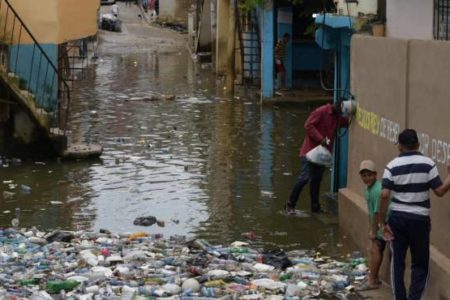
[(400, 81)]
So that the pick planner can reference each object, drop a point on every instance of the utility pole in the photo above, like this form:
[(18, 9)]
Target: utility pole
[(225, 42), (230, 70)]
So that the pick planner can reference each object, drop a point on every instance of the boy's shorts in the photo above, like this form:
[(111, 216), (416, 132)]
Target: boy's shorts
[(380, 243), (279, 66)]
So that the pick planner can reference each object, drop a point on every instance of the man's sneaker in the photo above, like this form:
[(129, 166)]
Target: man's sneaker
[(317, 211), (290, 211)]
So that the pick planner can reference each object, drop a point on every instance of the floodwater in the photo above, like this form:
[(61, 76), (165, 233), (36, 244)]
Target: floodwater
[(205, 163)]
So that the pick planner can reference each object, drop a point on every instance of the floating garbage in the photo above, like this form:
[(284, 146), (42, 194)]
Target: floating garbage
[(104, 265), (25, 189), (145, 221)]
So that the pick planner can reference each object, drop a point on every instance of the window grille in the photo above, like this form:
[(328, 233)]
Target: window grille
[(442, 20)]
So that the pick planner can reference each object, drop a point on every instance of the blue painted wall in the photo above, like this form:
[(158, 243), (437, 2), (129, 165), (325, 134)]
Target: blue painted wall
[(35, 73), (307, 56)]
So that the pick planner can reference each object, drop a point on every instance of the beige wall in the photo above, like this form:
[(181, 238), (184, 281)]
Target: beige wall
[(77, 19), (175, 10), (53, 21), (398, 84), (39, 18), (409, 19)]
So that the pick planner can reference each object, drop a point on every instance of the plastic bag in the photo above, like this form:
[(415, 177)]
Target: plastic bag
[(277, 258), (320, 155)]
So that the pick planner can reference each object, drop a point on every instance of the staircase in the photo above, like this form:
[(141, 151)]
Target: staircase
[(32, 79), (249, 46)]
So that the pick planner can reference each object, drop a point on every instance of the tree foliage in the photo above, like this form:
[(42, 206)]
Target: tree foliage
[(247, 5)]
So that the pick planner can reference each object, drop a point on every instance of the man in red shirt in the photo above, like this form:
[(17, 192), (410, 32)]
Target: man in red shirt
[(320, 128)]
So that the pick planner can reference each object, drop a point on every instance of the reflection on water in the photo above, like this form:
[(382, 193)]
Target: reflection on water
[(206, 165)]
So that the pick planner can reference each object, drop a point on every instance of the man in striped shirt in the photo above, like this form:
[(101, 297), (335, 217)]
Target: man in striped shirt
[(407, 181)]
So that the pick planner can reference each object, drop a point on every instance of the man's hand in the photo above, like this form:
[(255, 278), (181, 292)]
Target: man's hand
[(372, 236), (325, 142), (388, 235)]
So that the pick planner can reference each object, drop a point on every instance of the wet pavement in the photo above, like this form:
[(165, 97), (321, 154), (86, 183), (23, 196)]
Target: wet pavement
[(206, 163)]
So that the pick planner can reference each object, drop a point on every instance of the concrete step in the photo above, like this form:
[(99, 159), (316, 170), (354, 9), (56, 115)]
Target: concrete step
[(78, 151)]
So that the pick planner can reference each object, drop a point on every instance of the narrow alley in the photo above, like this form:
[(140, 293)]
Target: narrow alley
[(205, 163)]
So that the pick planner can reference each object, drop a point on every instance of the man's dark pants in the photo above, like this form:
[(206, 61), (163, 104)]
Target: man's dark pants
[(309, 171), (411, 231)]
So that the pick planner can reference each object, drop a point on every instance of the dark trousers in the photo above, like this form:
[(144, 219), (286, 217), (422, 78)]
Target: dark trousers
[(414, 233), (308, 171)]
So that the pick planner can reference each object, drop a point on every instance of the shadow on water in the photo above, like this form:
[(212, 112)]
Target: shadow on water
[(206, 164)]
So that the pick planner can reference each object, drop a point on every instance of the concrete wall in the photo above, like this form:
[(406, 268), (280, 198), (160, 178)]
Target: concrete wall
[(397, 84), (409, 19), (54, 21), (175, 10)]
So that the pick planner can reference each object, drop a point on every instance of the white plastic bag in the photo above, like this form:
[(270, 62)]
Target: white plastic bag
[(320, 155)]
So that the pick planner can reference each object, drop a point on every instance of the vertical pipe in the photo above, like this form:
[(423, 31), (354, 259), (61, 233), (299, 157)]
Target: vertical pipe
[(267, 61)]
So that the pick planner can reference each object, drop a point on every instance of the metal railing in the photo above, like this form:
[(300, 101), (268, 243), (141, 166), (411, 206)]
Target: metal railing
[(27, 59), (442, 20)]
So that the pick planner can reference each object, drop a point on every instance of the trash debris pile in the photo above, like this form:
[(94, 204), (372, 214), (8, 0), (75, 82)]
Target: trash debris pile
[(90, 265)]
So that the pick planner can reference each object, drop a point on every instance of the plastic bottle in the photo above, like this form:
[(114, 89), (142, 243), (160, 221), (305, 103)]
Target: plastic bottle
[(27, 282), (285, 276), (128, 293), (194, 270), (310, 275), (210, 292), (55, 287), (25, 189), (240, 280), (239, 250)]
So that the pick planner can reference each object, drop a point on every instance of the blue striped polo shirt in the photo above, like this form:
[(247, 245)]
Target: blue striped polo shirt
[(409, 177)]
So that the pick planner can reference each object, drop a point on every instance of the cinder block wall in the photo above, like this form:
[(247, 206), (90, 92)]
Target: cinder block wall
[(398, 84)]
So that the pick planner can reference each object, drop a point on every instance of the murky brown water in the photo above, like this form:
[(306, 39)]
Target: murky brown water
[(208, 165)]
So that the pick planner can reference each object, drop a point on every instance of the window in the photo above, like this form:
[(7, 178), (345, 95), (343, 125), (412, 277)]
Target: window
[(442, 20)]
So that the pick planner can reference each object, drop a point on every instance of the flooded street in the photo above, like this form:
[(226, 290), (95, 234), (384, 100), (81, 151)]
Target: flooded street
[(206, 163)]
